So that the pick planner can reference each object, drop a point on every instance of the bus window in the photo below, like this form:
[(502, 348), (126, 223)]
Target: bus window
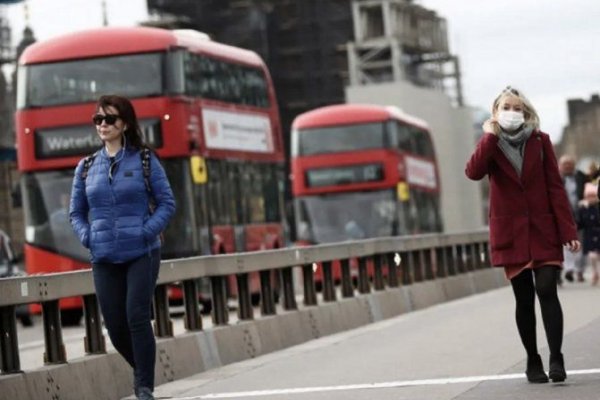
[(181, 236), (81, 81), (233, 199), (215, 194), (404, 140), (200, 211), (341, 138), (256, 202), (423, 144), (271, 194), (218, 80)]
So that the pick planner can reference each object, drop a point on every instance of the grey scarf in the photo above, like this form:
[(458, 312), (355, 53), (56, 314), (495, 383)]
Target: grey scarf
[(513, 146)]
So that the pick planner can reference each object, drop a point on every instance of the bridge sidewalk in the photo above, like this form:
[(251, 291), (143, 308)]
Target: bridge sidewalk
[(465, 349)]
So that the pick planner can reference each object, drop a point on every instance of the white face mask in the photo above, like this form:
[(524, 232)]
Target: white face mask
[(510, 120)]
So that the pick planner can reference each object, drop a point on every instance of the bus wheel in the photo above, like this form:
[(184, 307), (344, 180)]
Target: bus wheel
[(71, 317)]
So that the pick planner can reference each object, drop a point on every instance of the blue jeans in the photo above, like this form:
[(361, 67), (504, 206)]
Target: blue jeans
[(125, 295)]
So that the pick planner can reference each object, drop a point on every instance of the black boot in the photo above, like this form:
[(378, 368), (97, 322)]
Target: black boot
[(557, 368), (535, 370)]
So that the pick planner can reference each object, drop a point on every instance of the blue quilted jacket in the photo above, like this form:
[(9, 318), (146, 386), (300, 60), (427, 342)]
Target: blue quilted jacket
[(112, 217)]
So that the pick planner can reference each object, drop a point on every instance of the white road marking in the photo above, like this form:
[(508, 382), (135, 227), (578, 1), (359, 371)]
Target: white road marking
[(363, 386)]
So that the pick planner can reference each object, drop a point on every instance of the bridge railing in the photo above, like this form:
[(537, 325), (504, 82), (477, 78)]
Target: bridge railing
[(380, 264)]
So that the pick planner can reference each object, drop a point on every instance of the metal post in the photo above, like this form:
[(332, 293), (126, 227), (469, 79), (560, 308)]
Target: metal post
[(407, 266), (459, 264), (220, 313), (94, 342), (363, 276), (485, 255), (449, 259), (440, 262), (55, 348), (474, 253), (328, 284), (392, 270), (245, 310), (267, 301), (427, 255), (9, 343), (417, 266), (347, 287), (308, 277), (192, 318), (163, 326), (289, 296), (378, 282)]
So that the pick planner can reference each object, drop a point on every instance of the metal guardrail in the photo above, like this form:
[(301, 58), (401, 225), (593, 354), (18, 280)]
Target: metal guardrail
[(395, 261)]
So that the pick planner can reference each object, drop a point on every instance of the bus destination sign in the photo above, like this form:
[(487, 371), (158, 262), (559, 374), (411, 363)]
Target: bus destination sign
[(80, 140), (344, 175)]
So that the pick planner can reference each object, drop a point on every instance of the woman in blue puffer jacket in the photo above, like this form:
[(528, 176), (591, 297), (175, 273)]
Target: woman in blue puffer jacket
[(110, 213)]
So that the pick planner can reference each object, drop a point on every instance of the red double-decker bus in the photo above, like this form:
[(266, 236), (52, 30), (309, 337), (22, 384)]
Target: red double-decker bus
[(207, 108), (363, 171)]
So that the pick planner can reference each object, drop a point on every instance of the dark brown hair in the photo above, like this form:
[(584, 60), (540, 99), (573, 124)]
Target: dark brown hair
[(133, 133)]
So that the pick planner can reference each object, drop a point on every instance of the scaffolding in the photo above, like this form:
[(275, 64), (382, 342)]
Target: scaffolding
[(397, 40), (6, 52), (302, 42)]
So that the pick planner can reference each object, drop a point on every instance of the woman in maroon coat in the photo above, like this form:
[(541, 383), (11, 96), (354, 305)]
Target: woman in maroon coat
[(530, 219)]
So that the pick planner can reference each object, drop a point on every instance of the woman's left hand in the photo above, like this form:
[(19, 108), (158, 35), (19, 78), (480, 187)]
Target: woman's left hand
[(573, 246)]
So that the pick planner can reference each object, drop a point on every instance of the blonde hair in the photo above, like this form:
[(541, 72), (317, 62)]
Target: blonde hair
[(531, 116)]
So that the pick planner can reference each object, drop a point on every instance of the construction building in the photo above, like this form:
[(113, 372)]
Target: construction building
[(302, 42), (323, 52), (315, 48)]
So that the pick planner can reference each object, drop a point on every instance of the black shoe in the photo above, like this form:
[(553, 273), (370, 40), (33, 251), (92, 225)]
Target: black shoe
[(144, 393), (569, 276), (557, 368), (535, 370)]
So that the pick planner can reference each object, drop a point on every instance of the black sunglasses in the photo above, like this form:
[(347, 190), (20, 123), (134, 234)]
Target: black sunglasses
[(109, 118)]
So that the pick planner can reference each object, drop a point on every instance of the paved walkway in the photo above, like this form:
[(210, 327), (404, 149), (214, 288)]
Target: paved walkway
[(466, 349)]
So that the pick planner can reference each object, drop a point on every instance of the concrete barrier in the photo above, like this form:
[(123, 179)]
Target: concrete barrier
[(109, 377)]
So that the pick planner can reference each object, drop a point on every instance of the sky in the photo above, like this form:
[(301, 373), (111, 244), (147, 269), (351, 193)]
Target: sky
[(550, 50), (547, 49)]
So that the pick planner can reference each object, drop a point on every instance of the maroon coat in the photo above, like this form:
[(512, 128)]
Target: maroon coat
[(530, 217)]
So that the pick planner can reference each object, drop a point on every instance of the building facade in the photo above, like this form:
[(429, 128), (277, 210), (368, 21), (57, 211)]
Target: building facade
[(11, 213), (581, 137)]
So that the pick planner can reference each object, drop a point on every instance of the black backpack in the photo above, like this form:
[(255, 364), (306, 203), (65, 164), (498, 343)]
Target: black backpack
[(144, 155)]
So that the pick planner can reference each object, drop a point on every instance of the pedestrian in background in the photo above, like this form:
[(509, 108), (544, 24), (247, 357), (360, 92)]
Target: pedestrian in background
[(588, 219), (573, 181), (593, 173), (530, 218), (110, 213)]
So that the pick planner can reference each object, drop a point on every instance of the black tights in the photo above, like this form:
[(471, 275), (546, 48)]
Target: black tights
[(546, 288)]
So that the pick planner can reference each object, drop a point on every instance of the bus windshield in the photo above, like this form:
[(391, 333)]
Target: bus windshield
[(336, 139), (80, 81), (46, 203), (347, 216), (46, 196)]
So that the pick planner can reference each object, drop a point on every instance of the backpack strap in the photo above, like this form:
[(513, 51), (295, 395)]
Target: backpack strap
[(145, 155), (87, 163)]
